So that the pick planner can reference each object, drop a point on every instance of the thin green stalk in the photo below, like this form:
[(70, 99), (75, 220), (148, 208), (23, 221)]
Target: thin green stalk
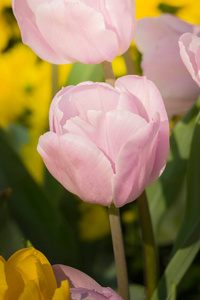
[(149, 246), (119, 253), (108, 73), (54, 80), (115, 223), (130, 67)]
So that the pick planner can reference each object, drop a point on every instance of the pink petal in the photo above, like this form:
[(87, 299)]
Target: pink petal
[(157, 39), (31, 36), (78, 165), (75, 277), (134, 164), (147, 93), (125, 30), (190, 53), (76, 24), (109, 131), (151, 30), (77, 100)]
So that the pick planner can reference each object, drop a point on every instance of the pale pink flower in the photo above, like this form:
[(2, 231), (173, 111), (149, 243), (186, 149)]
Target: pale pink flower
[(190, 53), (107, 144), (82, 286), (157, 40), (66, 31)]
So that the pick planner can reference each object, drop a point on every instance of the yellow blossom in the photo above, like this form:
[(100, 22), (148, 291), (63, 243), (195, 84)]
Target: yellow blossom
[(28, 275)]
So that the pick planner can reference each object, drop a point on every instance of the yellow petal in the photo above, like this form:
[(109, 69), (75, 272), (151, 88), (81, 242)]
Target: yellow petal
[(3, 282), (31, 264), (30, 292), (62, 293)]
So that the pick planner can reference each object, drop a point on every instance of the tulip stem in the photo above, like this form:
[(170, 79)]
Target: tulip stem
[(130, 67), (119, 253), (108, 73), (149, 246), (54, 80)]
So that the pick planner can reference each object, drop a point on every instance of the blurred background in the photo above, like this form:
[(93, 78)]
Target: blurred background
[(34, 208)]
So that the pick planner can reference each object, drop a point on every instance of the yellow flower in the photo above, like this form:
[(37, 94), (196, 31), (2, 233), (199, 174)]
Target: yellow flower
[(188, 10), (98, 217), (28, 275)]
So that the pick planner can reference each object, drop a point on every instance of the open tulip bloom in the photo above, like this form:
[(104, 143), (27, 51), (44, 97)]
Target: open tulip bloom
[(64, 31), (107, 144)]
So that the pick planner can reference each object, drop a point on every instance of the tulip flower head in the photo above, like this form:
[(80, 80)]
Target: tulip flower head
[(107, 144), (64, 31), (157, 40), (190, 53), (82, 286), (28, 275)]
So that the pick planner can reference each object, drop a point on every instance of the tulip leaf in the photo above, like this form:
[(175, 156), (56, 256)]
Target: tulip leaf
[(192, 209), (81, 72), (168, 194), (33, 211), (137, 292), (188, 241)]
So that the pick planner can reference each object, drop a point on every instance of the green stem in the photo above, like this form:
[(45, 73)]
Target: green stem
[(119, 253), (149, 246), (130, 67), (54, 80), (108, 73)]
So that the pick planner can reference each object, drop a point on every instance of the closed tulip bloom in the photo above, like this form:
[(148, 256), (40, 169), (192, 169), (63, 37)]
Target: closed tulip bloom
[(28, 275), (82, 286), (107, 144), (157, 40), (65, 31), (190, 53)]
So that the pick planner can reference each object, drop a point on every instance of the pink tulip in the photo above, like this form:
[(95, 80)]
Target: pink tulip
[(83, 285), (65, 31), (107, 144), (157, 40), (190, 53)]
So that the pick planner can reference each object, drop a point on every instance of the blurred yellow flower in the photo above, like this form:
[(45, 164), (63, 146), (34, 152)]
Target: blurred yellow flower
[(92, 218), (28, 275), (147, 8), (188, 10)]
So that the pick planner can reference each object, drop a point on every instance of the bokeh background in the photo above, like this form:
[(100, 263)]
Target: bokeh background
[(34, 208)]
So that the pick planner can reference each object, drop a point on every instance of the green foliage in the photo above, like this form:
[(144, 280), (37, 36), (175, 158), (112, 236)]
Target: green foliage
[(31, 208), (187, 243), (167, 195), (81, 72)]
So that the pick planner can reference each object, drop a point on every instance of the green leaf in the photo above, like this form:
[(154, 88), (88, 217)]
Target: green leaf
[(137, 292), (81, 72), (167, 195), (33, 211), (192, 209), (188, 241)]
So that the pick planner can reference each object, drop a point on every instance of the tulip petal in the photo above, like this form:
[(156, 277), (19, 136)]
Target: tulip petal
[(88, 96), (35, 41), (83, 293), (30, 292), (190, 53), (78, 165), (113, 12), (77, 28), (106, 128), (75, 278), (63, 292), (146, 91), (3, 281), (134, 164)]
